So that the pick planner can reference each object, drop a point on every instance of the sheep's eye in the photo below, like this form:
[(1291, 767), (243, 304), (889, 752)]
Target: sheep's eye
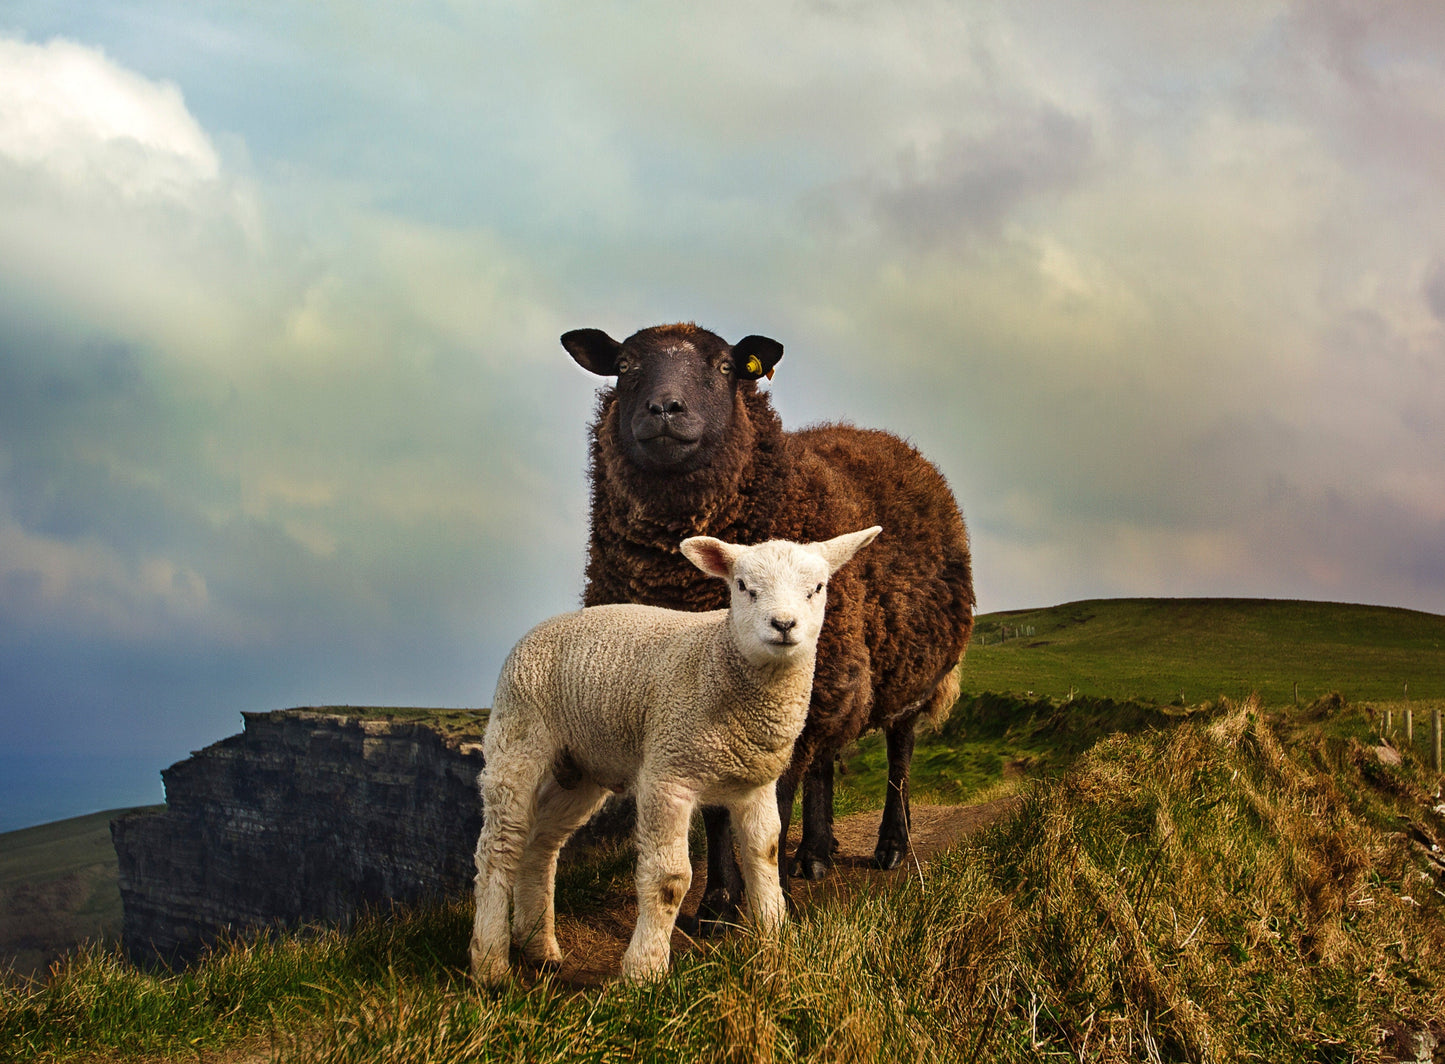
[(623, 366), (742, 586), (725, 368), (817, 589)]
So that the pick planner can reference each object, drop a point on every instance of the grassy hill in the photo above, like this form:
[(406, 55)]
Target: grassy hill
[(57, 888), (1157, 650)]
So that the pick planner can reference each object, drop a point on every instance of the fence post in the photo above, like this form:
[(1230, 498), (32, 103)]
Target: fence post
[(1409, 725), (1435, 738), (1389, 722)]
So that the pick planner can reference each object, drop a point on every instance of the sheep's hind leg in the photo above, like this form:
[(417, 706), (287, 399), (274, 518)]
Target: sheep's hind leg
[(560, 812), (508, 787), (721, 905), (663, 876), (814, 856), (893, 831), (759, 832)]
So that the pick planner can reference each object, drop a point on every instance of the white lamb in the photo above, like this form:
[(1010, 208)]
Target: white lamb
[(679, 707)]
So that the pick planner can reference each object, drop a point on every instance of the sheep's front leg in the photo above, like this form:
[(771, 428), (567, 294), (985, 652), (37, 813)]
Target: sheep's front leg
[(560, 812), (721, 900), (758, 828), (814, 856), (663, 875), (893, 830)]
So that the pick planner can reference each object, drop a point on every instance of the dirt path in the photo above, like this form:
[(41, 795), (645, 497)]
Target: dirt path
[(593, 947)]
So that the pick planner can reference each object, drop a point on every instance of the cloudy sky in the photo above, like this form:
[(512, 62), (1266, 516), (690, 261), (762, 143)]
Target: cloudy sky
[(283, 415)]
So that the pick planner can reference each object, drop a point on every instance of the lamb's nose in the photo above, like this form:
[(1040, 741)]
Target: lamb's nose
[(784, 625), (666, 406)]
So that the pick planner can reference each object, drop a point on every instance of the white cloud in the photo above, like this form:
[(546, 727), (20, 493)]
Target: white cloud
[(69, 110)]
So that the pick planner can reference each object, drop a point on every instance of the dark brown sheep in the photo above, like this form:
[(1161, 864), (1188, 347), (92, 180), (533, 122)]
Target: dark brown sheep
[(686, 444)]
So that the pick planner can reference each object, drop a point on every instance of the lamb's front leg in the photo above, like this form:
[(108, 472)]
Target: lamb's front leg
[(758, 828), (664, 873)]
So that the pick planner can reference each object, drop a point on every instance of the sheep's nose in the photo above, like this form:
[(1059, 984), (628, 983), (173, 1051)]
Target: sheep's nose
[(666, 406), (784, 625)]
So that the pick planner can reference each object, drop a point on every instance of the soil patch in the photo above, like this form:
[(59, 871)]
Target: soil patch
[(593, 946)]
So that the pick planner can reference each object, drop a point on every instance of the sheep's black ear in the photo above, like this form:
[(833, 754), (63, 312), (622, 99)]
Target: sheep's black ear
[(755, 356), (593, 350)]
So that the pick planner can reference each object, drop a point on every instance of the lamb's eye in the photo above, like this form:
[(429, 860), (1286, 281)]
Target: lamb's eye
[(725, 368), (623, 366), (742, 586)]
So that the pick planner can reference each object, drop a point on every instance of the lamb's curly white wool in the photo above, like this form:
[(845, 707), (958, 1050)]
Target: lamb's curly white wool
[(679, 707)]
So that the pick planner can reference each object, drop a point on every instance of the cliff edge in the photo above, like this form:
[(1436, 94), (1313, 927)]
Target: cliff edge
[(307, 816)]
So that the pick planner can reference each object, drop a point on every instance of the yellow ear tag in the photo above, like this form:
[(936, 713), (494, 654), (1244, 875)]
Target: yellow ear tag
[(755, 366)]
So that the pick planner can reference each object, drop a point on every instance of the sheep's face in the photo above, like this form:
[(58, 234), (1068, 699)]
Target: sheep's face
[(779, 589), (676, 389)]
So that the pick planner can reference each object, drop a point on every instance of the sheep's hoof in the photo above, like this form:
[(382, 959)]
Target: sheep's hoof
[(809, 866), (889, 855), (717, 914)]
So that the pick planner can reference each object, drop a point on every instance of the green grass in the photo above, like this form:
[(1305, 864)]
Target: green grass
[(1157, 650), (467, 724), (1189, 892)]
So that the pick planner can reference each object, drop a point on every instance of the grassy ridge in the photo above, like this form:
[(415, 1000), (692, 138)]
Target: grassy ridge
[(1152, 650), (1197, 892)]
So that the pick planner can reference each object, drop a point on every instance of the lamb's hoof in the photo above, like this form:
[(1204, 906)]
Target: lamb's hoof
[(545, 959), (489, 971), (809, 866), (889, 855)]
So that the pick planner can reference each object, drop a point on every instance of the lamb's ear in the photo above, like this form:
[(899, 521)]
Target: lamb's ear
[(593, 350), (712, 556), (755, 356), (839, 549)]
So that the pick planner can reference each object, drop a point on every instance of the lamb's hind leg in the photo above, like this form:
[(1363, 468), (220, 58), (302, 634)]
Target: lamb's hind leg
[(560, 811), (663, 875), (509, 787)]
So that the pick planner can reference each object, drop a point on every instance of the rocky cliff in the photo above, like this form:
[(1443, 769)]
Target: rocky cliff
[(307, 816)]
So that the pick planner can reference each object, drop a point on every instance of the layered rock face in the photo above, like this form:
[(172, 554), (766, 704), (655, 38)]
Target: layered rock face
[(307, 816)]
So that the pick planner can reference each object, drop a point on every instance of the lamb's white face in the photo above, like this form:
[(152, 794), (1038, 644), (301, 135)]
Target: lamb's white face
[(779, 591)]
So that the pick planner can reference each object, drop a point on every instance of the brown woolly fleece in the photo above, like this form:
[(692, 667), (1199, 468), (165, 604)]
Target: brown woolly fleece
[(898, 618)]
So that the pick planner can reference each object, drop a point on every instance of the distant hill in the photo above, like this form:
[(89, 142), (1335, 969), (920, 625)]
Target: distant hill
[(1157, 650), (57, 888)]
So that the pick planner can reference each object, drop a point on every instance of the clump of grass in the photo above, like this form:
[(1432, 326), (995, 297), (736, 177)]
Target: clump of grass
[(1201, 892)]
